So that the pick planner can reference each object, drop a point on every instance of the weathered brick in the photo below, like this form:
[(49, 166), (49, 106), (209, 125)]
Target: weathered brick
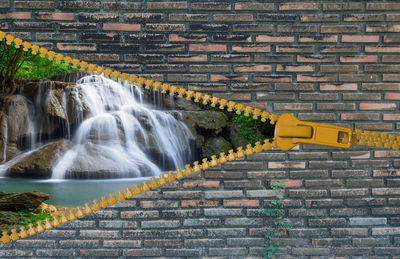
[(184, 17), (316, 58), (309, 251), (120, 5), (222, 194), (77, 26), (164, 27), (142, 252), (349, 192), (79, 5), (99, 252), (339, 49), (208, 27), (340, 29), (37, 4), (211, 6), (227, 18), (167, 5), (143, 17), (76, 46), (367, 221), (303, 87), (362, 96), (385, 231), (307, 193), (323, 183), (160, 224), (259, 58), (382, 28), (349, 231), (198, 203), (37, 26), (324, 18), (295, 49), (321, 203), (297, 28), (292, 106), (187, 38)]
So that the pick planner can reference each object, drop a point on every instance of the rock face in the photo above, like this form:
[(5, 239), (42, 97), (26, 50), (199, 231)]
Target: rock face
[(39, 163), (21, 201), (216, 145)]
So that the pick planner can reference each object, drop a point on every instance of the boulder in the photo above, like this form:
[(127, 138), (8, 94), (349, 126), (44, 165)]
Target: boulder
[(18, 119), (25, 201), (216, 145), (210, 120), (39, 162)]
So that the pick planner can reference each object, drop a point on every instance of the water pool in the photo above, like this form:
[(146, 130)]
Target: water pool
[(70, 193)]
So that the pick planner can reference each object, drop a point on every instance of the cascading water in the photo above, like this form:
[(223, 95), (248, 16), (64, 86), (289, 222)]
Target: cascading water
[(109, 139), (114, 133)]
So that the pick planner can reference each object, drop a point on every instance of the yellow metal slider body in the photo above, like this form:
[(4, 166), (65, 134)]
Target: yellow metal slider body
[(290, 132)]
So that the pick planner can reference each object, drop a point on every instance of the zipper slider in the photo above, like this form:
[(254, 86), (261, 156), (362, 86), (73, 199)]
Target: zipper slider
[(290, 132)]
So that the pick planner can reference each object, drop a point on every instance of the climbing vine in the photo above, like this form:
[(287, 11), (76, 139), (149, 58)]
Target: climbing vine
[(273, 210)]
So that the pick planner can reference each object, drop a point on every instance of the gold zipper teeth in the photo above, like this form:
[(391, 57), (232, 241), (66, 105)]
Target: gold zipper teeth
[(380, 140), (63, 217)]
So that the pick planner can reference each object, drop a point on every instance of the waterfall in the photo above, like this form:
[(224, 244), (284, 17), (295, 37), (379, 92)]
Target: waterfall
[(115, 135), (113, 132)]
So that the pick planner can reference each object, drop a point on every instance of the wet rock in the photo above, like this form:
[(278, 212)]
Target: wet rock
[(21, 201), (39, 163), (210, 120), (216, 145)]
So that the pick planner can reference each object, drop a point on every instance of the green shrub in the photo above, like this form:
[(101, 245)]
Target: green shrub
[(16, 63), (252, 130)]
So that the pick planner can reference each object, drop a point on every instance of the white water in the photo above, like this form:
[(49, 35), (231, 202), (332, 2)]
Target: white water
[(114, 134)]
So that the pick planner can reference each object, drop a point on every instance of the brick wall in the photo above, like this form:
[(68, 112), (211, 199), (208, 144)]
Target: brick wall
[(328, 61)]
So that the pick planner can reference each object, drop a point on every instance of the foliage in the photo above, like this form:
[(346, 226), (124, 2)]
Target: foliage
[(273, 210), (251, 130), (16, 63), (39, 216), (10, 220)]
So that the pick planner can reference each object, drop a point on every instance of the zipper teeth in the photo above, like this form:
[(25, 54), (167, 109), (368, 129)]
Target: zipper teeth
[(61, 218), (373, 138)]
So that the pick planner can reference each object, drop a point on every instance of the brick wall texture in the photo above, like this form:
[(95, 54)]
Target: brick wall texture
[(335, 62)]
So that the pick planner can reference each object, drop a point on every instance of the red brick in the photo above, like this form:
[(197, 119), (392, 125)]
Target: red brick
[(207, 48), (16, 16), (241, 203), (290, 183), (378, 106), (391, 117), (360, 38), (392, 96), (252, 68), (339, 87), (331, 38), (198, 203), (239, 49), (200, 184), (314, 78), (298, 7), (265, 38), (273, 78), (187, 58), (121, 27), (382, 49), (191, 38), (358, 59)]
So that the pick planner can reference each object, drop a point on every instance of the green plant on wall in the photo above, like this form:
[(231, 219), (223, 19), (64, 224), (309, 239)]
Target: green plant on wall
[(16, 63), (274, 208), (251, 130)]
